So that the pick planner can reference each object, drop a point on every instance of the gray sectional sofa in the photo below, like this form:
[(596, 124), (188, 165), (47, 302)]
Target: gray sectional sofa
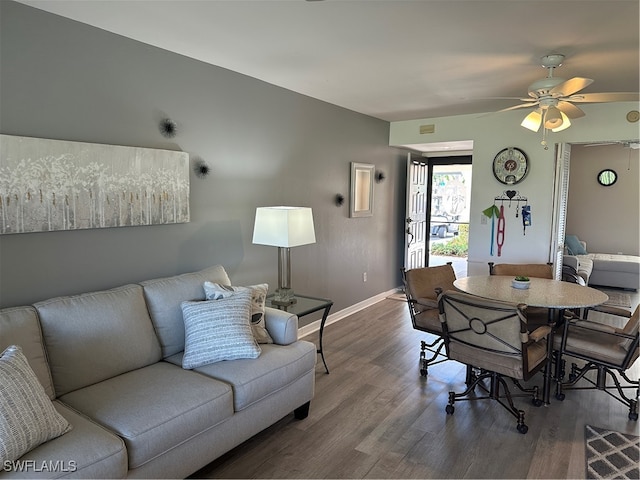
[(110, 362), (605, 269)]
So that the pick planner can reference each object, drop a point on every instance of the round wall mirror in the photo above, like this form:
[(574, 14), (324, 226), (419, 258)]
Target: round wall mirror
[(607, 177)]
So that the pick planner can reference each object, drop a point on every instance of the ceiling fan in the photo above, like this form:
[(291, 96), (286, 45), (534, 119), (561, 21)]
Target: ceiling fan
[(553, 99)]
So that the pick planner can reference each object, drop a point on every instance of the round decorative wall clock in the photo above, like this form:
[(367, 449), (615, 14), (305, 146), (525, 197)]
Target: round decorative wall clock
[(510, 165)]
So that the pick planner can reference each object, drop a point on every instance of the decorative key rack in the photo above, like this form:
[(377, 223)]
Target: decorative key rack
[(511, 196)]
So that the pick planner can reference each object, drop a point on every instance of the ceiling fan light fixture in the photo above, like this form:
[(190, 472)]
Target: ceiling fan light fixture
[(552, 118), (532, 121), (566, 123)]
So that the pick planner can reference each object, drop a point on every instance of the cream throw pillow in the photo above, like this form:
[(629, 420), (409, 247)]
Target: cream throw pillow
[(27, 416), (215, 291)]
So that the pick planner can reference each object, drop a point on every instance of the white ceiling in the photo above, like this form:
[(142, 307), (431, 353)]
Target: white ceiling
[(390, 59)]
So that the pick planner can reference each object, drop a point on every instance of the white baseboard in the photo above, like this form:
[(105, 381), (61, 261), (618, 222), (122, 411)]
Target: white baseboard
[(334, 317)]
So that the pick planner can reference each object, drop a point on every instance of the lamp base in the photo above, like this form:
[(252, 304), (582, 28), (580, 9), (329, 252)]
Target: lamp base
[(284, 297), (283, 303)]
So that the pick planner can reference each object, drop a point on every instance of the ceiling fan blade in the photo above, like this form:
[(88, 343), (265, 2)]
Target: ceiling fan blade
[(515, 107), (571, 86), (570, 110), (604, 97)]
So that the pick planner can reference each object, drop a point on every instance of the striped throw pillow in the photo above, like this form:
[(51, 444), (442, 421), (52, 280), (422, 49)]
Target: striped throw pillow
[(218, 330), (27, 416), (216, 291)]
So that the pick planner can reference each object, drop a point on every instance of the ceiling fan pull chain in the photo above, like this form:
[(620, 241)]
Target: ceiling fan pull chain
[(544, 138)]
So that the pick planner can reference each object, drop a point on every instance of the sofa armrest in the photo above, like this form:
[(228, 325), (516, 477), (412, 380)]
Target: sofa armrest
[(281, 325), (572, 261)]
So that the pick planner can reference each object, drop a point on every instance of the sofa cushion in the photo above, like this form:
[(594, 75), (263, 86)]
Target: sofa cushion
[(215, 291), (155, 408), (164, 296), (98, 335), (28, 417), (87, 451), (616, 262), (254, 379), (20, 326), (218, 330)]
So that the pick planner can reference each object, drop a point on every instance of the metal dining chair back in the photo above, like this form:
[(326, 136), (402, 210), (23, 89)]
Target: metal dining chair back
[(493, 337), (537, 270), (420, 286)]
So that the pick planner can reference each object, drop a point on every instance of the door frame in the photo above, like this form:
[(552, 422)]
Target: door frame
[(431, 162), (559, 211)]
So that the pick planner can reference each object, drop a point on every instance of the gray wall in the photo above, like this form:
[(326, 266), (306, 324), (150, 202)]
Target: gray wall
[(265, 145), (607, 218)]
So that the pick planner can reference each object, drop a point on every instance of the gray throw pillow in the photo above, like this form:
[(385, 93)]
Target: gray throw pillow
[(216, 291), (28, 417), (218, 330)]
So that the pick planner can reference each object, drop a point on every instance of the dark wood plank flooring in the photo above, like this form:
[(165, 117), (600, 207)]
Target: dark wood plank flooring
[(374, 416)]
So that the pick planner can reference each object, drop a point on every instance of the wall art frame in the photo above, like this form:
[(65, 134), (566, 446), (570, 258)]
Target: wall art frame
[(362, 176), (49, 185)]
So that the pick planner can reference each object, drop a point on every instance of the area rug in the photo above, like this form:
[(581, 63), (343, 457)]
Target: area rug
[(616, 299), (611, 454)]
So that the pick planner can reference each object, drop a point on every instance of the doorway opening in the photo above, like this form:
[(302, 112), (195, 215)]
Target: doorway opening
[(440, 187)]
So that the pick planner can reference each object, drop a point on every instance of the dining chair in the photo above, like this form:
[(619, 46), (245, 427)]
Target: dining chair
[(420, 286), (609, 351), (536, 316), (494, 337), (537, 270)]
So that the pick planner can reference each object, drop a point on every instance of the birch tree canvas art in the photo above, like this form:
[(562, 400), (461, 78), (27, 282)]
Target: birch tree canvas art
[(48, 185)]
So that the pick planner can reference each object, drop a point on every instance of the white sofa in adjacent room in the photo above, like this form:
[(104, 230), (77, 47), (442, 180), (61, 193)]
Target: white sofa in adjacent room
[(602, 269)]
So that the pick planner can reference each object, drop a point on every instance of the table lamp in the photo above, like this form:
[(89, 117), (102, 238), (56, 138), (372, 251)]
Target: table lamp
[(284, 227)]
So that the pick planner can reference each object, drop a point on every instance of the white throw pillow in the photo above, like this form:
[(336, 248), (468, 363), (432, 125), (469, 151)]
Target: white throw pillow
[(28, 418), (218, 330), (215, 291)]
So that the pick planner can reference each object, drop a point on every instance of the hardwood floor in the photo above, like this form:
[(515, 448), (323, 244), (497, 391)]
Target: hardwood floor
[(374, 416)]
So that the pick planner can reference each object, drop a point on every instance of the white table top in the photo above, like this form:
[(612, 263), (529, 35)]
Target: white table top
[(542, 292)]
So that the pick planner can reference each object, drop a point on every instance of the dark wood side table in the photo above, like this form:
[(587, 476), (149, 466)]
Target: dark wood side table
[(306, 305)]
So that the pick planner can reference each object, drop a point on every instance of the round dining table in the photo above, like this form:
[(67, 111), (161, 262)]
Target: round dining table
[(542, 292), (555, 295)]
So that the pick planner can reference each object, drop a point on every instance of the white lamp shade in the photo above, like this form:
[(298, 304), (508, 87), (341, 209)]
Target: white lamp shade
[(553, 118), (566, 123), (532, 121), (284, 226)]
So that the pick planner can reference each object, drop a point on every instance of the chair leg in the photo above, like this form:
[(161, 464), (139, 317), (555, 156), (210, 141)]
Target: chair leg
[(470, 376), (424, 361), (559, 375), (600, 383), (424, 365), (533, 391), (496, 380)]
